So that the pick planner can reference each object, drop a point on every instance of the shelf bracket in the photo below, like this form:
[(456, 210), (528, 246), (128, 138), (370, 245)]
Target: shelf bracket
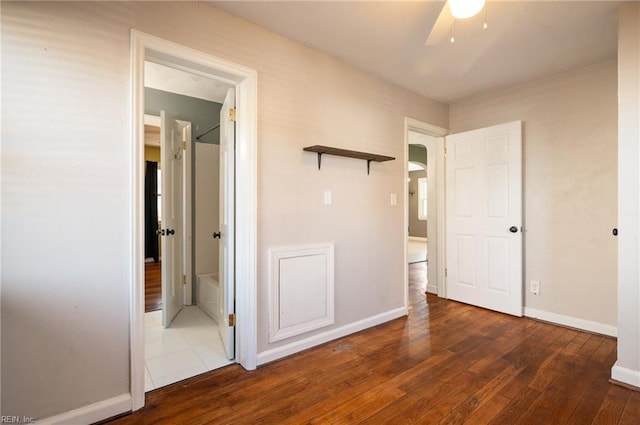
[(319, 160), (368, 165)]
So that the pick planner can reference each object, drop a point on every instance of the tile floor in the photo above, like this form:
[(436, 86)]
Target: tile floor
[(189, 347)]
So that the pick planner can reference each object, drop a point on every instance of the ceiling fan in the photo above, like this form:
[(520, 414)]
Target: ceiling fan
[(452, 10)]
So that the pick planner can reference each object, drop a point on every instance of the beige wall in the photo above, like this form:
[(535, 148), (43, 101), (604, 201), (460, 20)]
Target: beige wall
[(66, 153), (570, 185)]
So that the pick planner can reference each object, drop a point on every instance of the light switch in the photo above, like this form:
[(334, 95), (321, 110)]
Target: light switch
[(327, 197), (394, 199)]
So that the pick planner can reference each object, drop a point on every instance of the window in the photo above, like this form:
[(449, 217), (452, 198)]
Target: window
[(422, 198)]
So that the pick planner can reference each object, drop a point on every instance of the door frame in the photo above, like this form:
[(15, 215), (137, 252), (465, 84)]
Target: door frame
[(187, 198), (148, 47), (417, 126)]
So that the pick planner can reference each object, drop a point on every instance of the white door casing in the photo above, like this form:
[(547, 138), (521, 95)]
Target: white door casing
[(226, 250), (148, 47), (172, 225), (484, 217)]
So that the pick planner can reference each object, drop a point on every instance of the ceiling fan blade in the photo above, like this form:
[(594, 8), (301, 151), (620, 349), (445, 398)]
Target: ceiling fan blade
[(442, 26)]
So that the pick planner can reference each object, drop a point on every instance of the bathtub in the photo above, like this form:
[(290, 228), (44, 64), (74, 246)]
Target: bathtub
[(208, 293)]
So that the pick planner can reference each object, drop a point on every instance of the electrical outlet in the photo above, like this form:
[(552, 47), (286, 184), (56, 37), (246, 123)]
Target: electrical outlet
[(535, 287)]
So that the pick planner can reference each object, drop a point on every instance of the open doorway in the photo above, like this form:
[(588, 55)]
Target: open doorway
[(418, 204), (183, 297), (424, 204), (422, 241)]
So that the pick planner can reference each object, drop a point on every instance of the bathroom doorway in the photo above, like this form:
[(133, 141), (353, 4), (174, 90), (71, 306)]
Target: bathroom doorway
[(182, 294)]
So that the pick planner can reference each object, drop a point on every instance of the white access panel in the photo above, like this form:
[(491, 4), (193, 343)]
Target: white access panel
[(300, 290)]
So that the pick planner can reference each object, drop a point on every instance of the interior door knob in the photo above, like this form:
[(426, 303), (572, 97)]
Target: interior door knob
[(513, 229), (216, 235), (171, 232)]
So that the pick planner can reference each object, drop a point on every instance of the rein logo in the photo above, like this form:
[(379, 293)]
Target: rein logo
[(7, 419)]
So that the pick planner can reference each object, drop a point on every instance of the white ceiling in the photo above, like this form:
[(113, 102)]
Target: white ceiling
[(172, 80), (525, 41)]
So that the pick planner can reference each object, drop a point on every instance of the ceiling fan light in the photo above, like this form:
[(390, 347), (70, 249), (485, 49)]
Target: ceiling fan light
[(462, 9)]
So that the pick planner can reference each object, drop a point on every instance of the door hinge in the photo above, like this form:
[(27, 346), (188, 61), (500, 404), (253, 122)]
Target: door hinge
[(445, 272), (184, 279), (184, 146), (445, 152), (232, 114), (232, 319)]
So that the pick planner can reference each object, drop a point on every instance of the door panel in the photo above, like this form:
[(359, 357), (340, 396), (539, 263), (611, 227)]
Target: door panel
[(171, 166), (226, 265), (484, 200)]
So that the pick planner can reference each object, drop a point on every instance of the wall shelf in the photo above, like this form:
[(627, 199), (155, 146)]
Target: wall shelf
[(369, 157)]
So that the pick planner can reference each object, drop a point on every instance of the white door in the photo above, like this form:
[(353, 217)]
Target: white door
[(171, 166), (226, 234), (484, 217)]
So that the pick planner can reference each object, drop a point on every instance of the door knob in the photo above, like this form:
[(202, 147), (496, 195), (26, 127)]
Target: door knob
[(216, 235), (513, 229), (171, 232), (615, 231)]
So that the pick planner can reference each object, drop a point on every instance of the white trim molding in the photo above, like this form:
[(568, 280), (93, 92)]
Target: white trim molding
[(625, 376), (148, 47), (321, 338), (92, 413), (432, 289), (417, 239), (572, 322)]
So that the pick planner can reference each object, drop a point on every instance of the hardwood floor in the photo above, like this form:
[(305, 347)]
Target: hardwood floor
[(446, 363), (152, 286)]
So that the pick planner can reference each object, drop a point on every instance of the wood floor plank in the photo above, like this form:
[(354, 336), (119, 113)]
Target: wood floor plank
[(361, 407), (462, 411), (606, 348), (591, 346), (611, 410), (516, 408), (485, 413), (555, 395), (631, 412), (152, 286), (447, 363), (590, 402)]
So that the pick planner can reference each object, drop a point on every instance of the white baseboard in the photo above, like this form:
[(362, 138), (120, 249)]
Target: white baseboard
[(297, 346), (625, 376), (92, 413), (432, 289), (573, 322)]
